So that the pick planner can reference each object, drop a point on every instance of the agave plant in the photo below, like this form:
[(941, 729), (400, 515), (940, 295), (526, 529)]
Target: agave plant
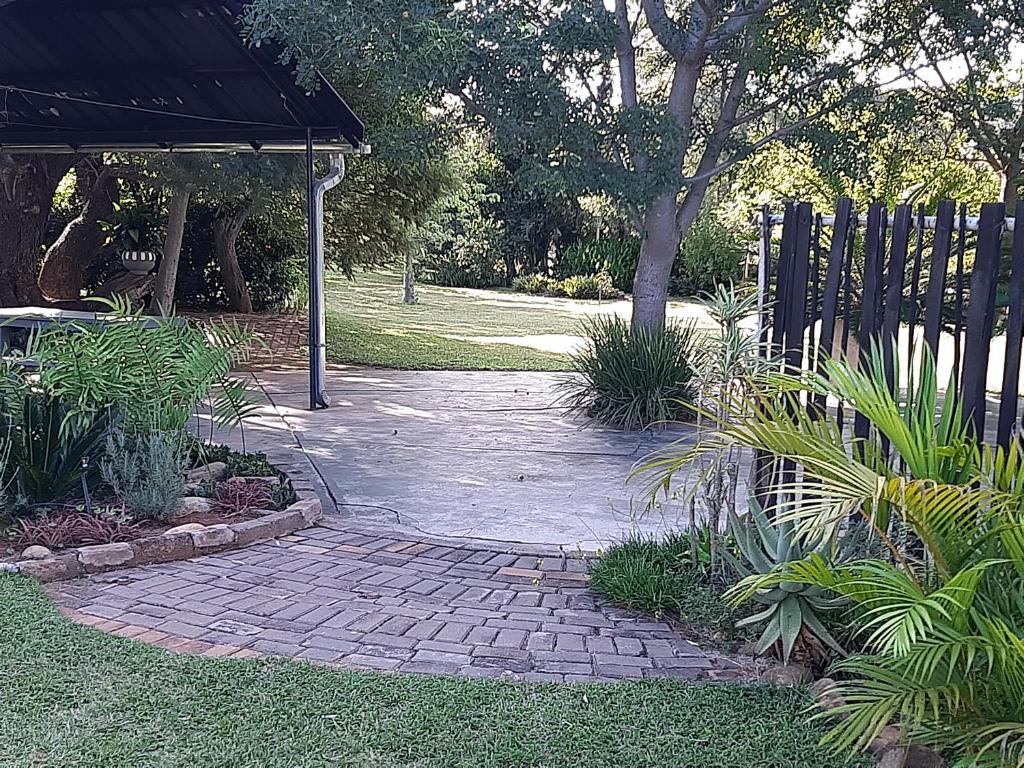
[(941, 620), (792, 610)]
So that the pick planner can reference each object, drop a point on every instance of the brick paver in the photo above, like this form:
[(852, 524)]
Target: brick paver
[(333, 595)]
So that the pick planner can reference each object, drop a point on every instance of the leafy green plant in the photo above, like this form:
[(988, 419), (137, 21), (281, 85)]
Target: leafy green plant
[(632, 379), (616, 257), (535, 285), (939, 615), (156, 374), (147, 473), (48, 454), (790, 612), (597, 286), (709, 256), (658, 576)]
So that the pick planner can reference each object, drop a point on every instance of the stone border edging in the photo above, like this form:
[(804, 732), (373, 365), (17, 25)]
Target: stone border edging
[(168, 547)]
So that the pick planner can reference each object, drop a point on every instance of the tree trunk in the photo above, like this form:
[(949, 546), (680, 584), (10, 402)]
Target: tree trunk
[(226, 229), (658, 252), (408, 290), (1011, 179), (167, 275), (27, 186), (64, 266)]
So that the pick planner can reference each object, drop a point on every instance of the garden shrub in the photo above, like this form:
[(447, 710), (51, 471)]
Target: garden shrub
[(62, 528), (146, 473), (535, 285), (597, 286), (155, 374), (615, 256), (48, 452), (657, 576), (710, 255), (938, 612), (272, 258), (632, 379)]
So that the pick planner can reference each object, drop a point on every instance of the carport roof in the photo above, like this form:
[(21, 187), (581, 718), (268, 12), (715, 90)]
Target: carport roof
[(151, 75)]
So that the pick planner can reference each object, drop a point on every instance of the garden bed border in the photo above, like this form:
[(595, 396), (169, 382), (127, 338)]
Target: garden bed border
[(170, 547)]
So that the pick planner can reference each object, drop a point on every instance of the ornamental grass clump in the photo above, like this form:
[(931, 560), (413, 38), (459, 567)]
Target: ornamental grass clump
[(632, 378)]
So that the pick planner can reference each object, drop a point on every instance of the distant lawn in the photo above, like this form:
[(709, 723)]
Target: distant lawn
[(76, 698), (352, 340), (456, 328)]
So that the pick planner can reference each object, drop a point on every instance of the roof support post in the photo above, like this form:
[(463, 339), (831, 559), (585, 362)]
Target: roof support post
[(316, 189)]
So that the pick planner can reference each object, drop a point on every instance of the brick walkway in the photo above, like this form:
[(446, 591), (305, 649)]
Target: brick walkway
[(284, 337), (332, 595)]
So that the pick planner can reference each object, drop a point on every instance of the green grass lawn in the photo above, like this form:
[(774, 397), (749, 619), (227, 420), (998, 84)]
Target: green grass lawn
[(71, 696), (457, 328)]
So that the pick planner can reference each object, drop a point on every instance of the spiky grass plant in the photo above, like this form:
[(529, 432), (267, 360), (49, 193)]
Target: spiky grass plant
[(632, 378)]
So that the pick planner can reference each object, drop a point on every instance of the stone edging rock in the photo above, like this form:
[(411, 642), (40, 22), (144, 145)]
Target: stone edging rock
[(167, 547)]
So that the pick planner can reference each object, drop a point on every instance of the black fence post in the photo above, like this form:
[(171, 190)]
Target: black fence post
[(981, 313)]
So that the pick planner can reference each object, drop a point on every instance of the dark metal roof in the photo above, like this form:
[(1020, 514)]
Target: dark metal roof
[(150, 75)]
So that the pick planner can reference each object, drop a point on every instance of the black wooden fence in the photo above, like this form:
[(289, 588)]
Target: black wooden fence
[(841, 283)]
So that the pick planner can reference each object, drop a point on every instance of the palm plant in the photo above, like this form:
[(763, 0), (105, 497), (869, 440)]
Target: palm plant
[(941, 620)]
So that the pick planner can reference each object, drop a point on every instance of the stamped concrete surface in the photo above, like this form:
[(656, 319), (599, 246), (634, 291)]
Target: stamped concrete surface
[(482, 455), (333, 594)]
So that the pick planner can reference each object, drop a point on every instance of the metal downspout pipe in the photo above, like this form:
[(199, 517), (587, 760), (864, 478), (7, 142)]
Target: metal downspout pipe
[(317, 188)]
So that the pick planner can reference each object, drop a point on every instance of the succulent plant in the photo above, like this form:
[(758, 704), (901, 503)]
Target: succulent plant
[(791, 612)]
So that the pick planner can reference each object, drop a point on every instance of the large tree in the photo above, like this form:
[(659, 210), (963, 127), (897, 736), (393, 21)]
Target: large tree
[(965, 58), (646, 102)]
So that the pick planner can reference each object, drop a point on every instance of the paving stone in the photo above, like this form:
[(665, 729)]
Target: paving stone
[(482, 635), (566, 642), (576, 657), (563, 667), (510, 638), (457, 659), (617, 671), (398, 625), (453, 648), (622, 661), (629, 646), (597, 644), (425, 629), (453, 632), (388, 641), (540, 641), (324, 642), (370, 662)]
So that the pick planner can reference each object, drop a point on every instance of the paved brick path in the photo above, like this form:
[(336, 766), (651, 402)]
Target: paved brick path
[(336, 596), (284, 337)]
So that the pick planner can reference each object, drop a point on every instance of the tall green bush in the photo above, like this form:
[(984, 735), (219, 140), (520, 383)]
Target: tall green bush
[(155, 373), (614, 256), (710, 255)]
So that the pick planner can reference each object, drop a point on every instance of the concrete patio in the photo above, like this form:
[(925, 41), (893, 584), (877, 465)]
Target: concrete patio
[(466, 454)]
